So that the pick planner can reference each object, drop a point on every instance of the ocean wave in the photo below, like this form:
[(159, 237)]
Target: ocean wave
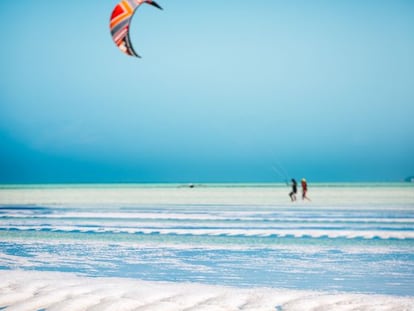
[(316, 234)]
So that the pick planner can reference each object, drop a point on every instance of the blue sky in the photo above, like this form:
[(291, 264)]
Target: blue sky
[(225, 89)]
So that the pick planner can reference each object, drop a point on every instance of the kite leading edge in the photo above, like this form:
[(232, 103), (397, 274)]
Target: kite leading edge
[(120, 20)]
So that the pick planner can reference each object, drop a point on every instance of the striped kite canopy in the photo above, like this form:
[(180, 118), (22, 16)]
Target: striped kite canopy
[(120, 21)]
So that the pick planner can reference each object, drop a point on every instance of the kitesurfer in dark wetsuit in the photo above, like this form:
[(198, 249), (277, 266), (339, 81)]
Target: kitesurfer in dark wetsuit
[(292, 194)]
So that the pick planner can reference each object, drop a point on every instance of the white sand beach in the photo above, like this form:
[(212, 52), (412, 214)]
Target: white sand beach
[(28, 290)]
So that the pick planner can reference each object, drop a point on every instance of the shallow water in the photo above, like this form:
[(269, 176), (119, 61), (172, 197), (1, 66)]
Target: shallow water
[(350, 238)]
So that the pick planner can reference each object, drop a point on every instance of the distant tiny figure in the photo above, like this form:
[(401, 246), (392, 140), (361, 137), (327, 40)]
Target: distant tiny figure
[(292, 194), (304, 189)]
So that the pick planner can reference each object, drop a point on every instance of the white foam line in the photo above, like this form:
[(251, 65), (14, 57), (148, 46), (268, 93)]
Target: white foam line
[(349, 234), (211, 225), (205, 216), (28, 290)]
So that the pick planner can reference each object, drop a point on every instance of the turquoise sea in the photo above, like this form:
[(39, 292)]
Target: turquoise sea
[(352, 238)]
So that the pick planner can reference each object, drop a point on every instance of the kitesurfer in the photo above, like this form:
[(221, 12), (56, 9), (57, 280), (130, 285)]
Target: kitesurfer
[(304, 185), (292, 194)]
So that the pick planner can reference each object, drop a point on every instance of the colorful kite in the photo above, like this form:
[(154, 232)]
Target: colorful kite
[(120, 20)]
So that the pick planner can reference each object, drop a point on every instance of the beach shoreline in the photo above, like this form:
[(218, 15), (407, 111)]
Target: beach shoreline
[(29, 290), (375, 195)]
